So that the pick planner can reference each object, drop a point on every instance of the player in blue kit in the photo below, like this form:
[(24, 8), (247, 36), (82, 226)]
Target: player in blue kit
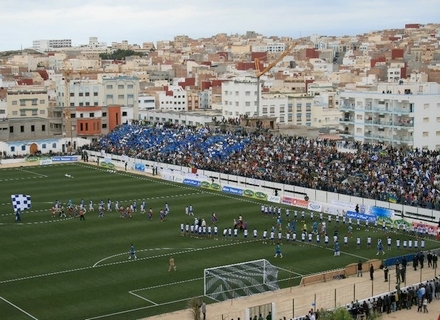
[(132, 253), (278, 252)]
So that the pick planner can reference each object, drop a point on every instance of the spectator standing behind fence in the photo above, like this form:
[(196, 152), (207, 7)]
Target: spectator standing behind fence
[(385, 273), (359, 269)]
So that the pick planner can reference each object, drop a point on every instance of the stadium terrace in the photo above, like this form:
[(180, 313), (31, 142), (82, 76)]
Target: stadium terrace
[(399, 175)]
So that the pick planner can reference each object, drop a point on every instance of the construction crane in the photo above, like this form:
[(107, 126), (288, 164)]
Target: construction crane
[(259, 72)]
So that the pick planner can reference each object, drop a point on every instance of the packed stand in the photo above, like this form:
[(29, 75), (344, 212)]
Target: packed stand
[(401, 175)]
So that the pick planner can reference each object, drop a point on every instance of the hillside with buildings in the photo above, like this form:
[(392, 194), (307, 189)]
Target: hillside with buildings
[(378, 87)]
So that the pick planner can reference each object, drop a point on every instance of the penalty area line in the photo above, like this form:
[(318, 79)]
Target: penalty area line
[(18, 308), (139, 309), (140, 297)]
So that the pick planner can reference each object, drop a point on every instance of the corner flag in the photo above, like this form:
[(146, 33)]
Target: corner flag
[(20, 202)]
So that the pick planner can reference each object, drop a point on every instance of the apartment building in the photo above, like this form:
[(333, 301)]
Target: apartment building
[(146, 103), (173, 98), (239, 97), (122, 91), (405, 113), (271, 47), (47, 45), (27, 114)]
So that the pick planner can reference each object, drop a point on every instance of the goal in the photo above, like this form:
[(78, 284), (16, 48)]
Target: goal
[(239, 280)]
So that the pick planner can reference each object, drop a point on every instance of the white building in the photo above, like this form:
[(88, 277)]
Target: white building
[(272, 47), (173, 98), (397, 114), (239, 97), (146, 103), (46, 45)]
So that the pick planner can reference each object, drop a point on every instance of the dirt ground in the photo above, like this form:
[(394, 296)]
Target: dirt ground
[(296, 301)]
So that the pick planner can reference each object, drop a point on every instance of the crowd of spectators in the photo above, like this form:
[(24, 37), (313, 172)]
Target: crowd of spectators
[(401, 175)]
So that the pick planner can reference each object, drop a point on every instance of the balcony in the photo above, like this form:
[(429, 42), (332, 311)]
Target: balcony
[(346, 106)]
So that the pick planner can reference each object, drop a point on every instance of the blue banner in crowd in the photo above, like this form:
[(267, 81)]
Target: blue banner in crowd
[(191, 182), (139, 167), (380, 212), (232, 190), (360, 216), (65, 158)]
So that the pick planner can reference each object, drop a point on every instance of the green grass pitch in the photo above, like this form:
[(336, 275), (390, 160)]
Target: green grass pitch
[(63, 268)]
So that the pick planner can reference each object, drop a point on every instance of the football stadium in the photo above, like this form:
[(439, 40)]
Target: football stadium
[(91, 236)]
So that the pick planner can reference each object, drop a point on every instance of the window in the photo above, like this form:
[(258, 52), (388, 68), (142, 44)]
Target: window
[(426, 120), (92, 114), (23, 148), (290, 107), (425, 133), (437, 133), (14, 103), (81, 94), (43, 111), (95, 94), (54, 145), (72, 94), (35, 112), (2, 111), (22, 103), (281, 109), (109, 96), (12, 149), (124, 113), (426, 106), (272, 110), (308, 107), (72, 104), (264, 110), (87, 94), (32, 128), (248, 104), (22, 113), (14, 113), (130, 86), (104, 114), (247, 93), (81, 104), (87, 104), (109, 86), (104, 126), (21, 128), (11, 129), (43, 127), (43, 146), (120, 96), (130, 96), (120, 86)]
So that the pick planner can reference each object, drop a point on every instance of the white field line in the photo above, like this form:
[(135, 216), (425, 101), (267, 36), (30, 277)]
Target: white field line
[(140, 297), (18, 308)]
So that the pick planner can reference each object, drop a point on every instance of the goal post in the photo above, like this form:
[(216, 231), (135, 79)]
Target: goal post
[(240, 279)]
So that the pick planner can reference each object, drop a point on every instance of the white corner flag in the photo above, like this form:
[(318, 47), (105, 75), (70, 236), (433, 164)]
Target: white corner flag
[(20, 202)]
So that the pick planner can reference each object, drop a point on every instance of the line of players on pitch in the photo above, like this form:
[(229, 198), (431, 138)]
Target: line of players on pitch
[(275, 235), (74, 210)]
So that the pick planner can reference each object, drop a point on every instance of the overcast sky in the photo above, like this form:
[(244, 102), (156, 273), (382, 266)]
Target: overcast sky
[(22, 21)]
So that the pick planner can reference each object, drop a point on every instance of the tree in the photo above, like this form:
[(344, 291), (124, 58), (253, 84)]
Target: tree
[(118, 54), (194, 308), (336, 314)]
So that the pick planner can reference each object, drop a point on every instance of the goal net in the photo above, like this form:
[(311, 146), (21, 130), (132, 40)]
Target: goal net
[(239, 280)]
